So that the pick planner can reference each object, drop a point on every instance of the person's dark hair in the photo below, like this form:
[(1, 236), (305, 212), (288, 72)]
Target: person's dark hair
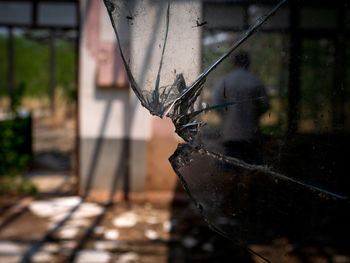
[(241, 60)]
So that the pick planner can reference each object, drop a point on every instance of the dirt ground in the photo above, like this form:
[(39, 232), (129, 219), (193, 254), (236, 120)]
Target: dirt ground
[(53, 158), (57, 227), (135, 233)]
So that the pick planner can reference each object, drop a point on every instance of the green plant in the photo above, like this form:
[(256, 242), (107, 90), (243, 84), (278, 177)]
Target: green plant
[(15, 142), (15, 154), (17, 186), (17, 97)]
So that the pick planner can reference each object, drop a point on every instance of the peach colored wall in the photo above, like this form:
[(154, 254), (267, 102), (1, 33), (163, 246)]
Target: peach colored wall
[(160, 175)]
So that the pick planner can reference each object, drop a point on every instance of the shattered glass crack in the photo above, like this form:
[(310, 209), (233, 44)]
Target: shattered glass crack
[(242, 201)]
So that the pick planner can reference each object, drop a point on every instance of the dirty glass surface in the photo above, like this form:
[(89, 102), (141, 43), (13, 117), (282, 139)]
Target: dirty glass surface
[(284, 185)]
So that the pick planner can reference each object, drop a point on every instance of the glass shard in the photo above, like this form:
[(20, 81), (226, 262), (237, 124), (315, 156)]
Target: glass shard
[(259, 197)]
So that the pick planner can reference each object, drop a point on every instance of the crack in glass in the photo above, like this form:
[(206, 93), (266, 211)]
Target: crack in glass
[(240, 200)]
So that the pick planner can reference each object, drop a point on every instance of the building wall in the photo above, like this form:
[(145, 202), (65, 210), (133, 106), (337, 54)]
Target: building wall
[(112, 121), (182, 56), (108, 117)]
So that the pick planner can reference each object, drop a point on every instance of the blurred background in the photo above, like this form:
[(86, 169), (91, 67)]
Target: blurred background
[(76, 142)]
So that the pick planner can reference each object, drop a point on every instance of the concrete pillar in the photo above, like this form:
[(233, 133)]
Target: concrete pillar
[(114, 127)]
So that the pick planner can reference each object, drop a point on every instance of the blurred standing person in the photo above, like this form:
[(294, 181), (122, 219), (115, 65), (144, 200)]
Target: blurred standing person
[(241, 120)]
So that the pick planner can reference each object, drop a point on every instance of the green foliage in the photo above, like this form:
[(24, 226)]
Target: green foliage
[(3, 66), (66, 69), (17, 97), (316, 80), (212, 55), (15, 141), (32, 66), (268, 60), (272, 130), (17, 186), (15, 156)]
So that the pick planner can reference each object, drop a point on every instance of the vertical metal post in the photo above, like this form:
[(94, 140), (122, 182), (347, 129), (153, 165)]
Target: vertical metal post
[(11, 65), (245, 17), (282, 83), (126, 179), (338, 88), (127, 143), (294, 70), (77, 118), (52, 75)]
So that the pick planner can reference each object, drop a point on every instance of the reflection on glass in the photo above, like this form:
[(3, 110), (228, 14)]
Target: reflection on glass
[(252, 179)]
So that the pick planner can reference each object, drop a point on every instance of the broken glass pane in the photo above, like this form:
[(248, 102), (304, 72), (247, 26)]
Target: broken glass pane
[(276, 185)]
